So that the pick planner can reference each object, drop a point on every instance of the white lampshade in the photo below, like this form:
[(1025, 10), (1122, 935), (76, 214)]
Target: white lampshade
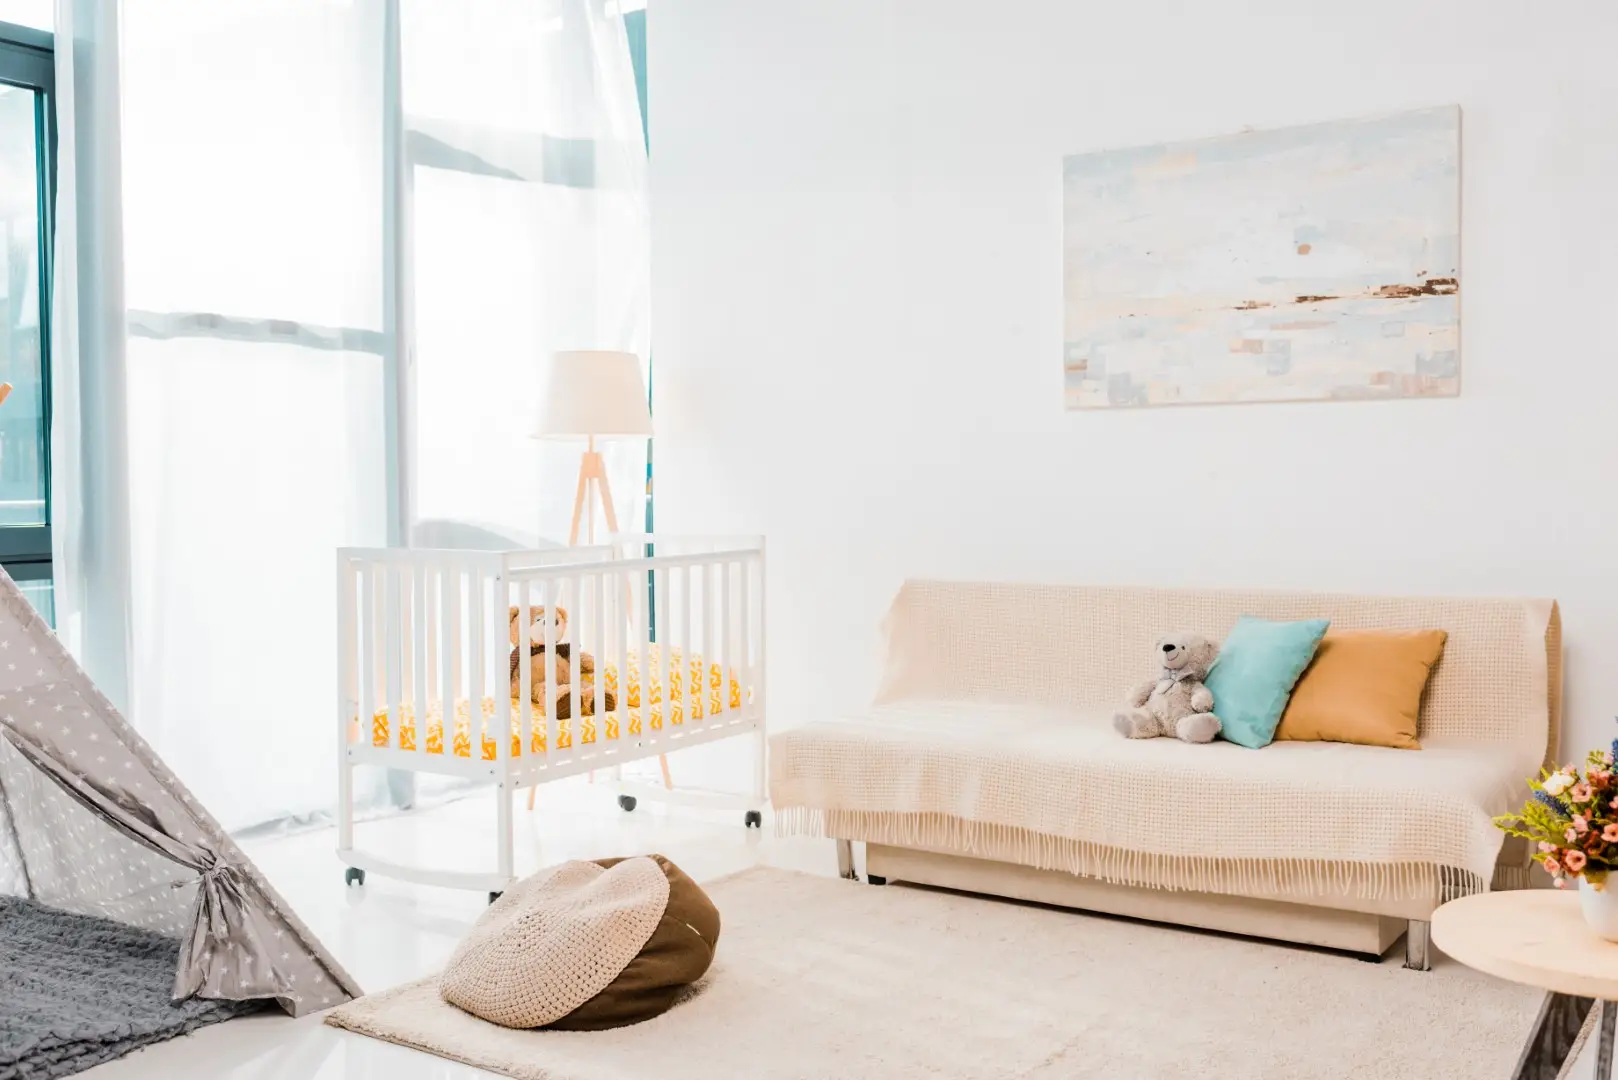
[(596, 393)]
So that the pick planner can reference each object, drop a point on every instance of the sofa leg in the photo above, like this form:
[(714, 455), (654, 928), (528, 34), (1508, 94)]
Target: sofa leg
[(845, 860), (1416, 958)]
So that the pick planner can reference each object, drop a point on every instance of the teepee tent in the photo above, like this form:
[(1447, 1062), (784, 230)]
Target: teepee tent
[(93, 825)]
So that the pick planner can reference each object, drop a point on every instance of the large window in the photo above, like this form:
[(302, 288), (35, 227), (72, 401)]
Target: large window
[(27, 182)]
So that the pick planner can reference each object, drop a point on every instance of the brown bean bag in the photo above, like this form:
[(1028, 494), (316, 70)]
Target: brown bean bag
[(585, 946)]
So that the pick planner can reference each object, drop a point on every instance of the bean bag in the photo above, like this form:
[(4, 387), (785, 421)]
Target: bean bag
[(585, 946)]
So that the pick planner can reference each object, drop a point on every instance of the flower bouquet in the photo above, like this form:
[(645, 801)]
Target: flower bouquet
[(1572, 820)]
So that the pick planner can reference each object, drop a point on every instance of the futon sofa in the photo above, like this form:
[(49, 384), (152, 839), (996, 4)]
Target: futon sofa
[(988, 763)]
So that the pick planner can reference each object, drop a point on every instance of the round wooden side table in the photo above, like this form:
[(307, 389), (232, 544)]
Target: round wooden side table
[(1538, 937)]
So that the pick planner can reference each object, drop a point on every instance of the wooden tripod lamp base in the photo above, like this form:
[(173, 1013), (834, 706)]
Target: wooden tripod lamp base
[(593, 488)]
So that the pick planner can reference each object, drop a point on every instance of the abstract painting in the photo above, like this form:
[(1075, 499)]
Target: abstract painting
[(1314, 263)]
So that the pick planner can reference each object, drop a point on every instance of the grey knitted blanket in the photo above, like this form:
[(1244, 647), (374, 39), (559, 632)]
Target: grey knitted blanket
[(76, 991)]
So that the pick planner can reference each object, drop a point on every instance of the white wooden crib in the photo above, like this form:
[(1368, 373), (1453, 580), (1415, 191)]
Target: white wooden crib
[(432, 627)]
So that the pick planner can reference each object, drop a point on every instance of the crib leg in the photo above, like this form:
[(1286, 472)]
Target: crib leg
[(502, 795), (345, 806), (761, 746)]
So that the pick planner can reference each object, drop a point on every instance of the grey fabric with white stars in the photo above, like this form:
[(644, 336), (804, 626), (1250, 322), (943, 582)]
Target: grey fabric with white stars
[(93, 822)]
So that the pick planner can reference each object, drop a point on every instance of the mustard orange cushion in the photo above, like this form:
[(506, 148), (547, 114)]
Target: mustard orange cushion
[(1365, 687)]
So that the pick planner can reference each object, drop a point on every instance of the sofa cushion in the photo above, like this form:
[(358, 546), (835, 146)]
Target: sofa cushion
[(1058, 789), (1364, 686), (1259, 662)]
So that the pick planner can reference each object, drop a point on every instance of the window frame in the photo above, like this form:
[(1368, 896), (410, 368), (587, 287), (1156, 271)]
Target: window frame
[(28, 60)]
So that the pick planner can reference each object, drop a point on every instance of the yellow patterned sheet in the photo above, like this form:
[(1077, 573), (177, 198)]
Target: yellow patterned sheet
[(639, 716)]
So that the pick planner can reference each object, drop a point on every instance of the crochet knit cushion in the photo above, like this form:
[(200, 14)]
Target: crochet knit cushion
[(585, 945)]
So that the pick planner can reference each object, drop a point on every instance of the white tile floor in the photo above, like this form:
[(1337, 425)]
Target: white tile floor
[(390, 932)]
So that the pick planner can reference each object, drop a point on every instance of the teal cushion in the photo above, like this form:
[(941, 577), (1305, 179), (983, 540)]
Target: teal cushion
[(1259, 663)]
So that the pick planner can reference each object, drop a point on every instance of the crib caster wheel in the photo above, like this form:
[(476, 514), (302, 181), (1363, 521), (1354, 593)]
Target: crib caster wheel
[(754, 819), (626, 803), (353, 876), (875, 879), (495, 896)]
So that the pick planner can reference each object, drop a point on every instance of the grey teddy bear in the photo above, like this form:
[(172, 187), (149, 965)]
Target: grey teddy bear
[(1175, 703)]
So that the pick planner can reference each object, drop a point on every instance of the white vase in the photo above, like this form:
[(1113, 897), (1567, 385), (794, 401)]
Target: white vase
[(1600, 907)]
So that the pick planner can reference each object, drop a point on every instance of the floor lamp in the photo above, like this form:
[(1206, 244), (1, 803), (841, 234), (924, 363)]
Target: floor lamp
[(594, 394)]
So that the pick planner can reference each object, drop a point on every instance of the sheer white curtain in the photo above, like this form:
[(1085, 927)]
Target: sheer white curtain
[(528, 233), (245, 437), (254, 265), (89, 477)]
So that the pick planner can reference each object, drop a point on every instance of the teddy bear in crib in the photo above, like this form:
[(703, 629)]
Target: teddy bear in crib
[(564, 664), (1175, 703)]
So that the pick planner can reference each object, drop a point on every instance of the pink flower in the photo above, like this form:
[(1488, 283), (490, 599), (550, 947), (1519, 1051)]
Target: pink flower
[(1574, 860), (1610, 834), (1552, 866), (1581, 823), (1614, 804), (1570, 835), (1581, 792), (1546, 848)]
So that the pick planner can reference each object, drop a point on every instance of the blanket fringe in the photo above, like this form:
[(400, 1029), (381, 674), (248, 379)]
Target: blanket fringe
[(1122, 866)]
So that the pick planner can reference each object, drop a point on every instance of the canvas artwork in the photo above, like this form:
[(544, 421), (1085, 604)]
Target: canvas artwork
[(1304, 264)]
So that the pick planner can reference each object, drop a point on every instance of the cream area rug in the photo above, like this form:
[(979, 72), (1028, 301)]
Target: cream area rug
[(820, 977)]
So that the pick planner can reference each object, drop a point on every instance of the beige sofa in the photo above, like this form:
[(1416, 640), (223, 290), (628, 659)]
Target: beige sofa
[(988, 764)]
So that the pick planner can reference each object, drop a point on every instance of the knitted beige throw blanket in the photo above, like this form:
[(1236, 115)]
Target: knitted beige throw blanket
[(990, 737)]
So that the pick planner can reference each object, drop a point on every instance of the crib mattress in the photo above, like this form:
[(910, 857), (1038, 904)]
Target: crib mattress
[(644, 704)]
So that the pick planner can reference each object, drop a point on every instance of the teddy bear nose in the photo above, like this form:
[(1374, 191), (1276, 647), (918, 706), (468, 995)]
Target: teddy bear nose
[(1168, 648)]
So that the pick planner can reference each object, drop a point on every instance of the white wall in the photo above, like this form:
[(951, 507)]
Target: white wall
[(857, 309)]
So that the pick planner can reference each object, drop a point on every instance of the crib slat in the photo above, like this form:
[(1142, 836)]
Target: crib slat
[(659, 585), (499, 654), (376, 620), (646, 671), (419, 633), (724, 659), (367, 703), (474, 658), (761, 667), (348, 697), (618, 603), (688, 649), (598, 649), (430, 617), (744, 654), (547, 597), (708, 655), (573, 593), (449, 605), (525, 673), (392, 624)]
